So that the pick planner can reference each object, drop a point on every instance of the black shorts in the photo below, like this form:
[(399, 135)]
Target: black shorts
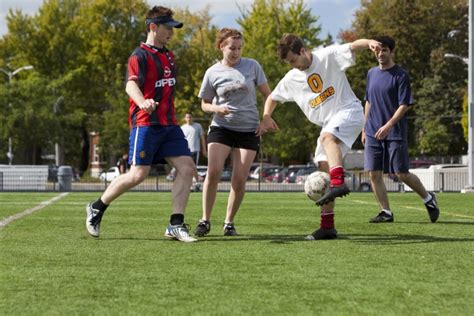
[(233, 139)]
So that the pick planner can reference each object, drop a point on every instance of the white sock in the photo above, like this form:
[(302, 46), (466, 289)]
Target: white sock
[(387, 212), (427, 198)]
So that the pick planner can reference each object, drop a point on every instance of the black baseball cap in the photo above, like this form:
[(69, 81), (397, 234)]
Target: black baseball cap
[(166, 20)]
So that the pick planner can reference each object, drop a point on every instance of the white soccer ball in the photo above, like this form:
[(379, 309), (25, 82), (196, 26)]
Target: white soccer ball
[(316, 184)]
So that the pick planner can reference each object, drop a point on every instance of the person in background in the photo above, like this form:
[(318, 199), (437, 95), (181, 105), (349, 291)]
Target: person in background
[(122, 164), (196, 141)]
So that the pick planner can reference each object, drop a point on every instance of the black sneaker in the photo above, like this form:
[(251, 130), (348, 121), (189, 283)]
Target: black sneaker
[(432, 208), (333, 192), (382, 217), (229, 229), (203, 228), (322, 233), (198, 187)]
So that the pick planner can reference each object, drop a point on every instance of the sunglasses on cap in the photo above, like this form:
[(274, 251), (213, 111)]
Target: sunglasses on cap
[(165, 20)]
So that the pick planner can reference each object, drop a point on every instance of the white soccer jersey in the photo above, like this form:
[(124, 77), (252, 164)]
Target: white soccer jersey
[(322, 90)]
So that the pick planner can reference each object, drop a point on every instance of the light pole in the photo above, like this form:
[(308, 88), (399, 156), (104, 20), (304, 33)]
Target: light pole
[(470, 90), (10, 75), (58, 146), (463, 59), (470, 83)]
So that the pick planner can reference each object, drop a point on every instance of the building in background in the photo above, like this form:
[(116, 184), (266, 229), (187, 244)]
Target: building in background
[(96, 163)]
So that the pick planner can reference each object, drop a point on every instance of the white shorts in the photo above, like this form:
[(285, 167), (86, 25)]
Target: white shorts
[(346, 125)]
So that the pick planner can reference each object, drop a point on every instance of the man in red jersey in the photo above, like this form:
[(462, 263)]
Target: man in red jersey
[(154, 130)]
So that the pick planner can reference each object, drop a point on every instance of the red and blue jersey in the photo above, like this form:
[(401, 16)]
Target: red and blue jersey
[(154, 71)]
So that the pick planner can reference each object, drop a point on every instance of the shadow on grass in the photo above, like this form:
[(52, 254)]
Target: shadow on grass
[(385, 239), (440, 223), (391, 239), (282, 239), (278, 239), (360, 238), (137, 238)]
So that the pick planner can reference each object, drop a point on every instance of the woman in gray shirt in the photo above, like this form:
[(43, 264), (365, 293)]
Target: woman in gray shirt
[(229, 91)]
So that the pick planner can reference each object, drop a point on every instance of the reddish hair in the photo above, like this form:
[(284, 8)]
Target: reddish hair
[(226, 33)]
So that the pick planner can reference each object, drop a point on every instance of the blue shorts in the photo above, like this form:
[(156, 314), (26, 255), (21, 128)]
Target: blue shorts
[(151, 144), (390, 156)]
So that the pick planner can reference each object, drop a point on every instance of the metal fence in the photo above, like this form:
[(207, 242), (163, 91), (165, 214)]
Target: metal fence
[(35, 179)]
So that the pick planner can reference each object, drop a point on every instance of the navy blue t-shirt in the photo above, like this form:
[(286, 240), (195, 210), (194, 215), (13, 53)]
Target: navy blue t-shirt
[(386, 90)]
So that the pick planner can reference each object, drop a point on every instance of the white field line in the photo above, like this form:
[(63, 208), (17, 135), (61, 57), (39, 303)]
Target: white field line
[(8, 220), (419, 209)]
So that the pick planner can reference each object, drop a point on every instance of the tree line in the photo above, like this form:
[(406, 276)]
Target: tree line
[(79, 50)]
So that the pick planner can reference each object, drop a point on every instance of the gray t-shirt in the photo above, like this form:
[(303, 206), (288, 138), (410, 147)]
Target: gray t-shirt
[(193, 135), (234, 87)]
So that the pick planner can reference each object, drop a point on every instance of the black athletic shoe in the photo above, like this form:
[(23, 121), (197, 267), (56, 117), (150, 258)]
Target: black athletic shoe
[(203, 228), (432, 208), (229, 229), (197, 187), (322, 233), (333, 192), (382, 217)]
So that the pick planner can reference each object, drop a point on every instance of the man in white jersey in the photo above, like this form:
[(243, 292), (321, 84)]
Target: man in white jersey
[(195, 136), (196, 142), (319, 86)]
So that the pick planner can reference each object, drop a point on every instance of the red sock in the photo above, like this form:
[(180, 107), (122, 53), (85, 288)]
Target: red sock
[(336, 174), (327, 220)]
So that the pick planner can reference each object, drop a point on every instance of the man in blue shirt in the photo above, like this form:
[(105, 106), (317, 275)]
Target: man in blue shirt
[(388, 97)]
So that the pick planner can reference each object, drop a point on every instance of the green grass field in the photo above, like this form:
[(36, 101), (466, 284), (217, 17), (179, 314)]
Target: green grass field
[(50, 266)]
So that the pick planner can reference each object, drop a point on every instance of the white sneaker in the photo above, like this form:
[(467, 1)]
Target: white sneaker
[(179, 232), (93, 220)]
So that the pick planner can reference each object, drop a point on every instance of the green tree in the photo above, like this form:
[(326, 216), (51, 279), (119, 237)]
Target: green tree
[(440, 99), (4, 109), (45, 41), (464, 119), (111, 31), (421, 30), (194, 50), (28, 119), (79, 49), (12, 93), (434, 129)]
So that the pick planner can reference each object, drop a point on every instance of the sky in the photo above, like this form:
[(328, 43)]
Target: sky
[(334, 15)]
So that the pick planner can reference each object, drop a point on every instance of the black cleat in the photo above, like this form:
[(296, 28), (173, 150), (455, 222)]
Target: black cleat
[(203, 228), (382, 217), (322, 233), (432, 208), (229, 229), (333, 192)]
